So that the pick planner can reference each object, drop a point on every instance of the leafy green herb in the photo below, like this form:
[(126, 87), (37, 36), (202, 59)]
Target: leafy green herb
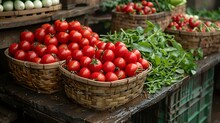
[(204, 13)]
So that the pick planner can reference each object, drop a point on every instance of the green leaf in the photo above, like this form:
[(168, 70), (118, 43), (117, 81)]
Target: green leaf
[(180, 71), (142, 48)]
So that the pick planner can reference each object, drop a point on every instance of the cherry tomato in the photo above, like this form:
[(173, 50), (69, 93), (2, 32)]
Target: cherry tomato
[(97, 76), (108, 55), (34, 45), (120, 74), (13, 48), (85, 32), (74, 25), (61, 25), (63, 53), (131, 69), (84, 42), (41, 50), (150, 4), (110, 76), (120, 51), (75, 36), (77, 54), (110, 46), (24, 45), (50, 39), (137, 53), (52, 49), (44, 26), (47, 58), (101, 45), (84, 72), (95, 65), (28, 36), (88, 51), (73, 65), (153, 10), (144, 63), (93, 41), (118, 43), (120, 63), (73, 46), (63, 37), (20, 55), (69, 59), (108, 66), (62, 46), (98, 54), (37, 60), (147, 10), (30, 55), (130, 57), (40, 34), (85, 61), (94, 35), (50, 30)]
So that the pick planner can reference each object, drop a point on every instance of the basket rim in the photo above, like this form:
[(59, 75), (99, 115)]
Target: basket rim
[(103, 84), (181, 32), (32, 64)]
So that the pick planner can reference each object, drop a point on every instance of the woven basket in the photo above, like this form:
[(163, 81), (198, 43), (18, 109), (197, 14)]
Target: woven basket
[(181, 9), (42, 78), (102, 95), (129, 21), (208, 41)]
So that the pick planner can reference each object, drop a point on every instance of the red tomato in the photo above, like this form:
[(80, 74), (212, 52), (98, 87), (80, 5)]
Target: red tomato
[(85, 61), (108, 66), (69, 59), (101, 45), (147, 10), (120, 51), (37, 60), (85, 32), (41, 50), (130, 57), (13, 48), (62, 46), (110, 46), (63, 54), (44, 26), (73, 65), (150, 4), (108, 55), (74, 25), (63, 37), (88, 51), (61, 25), (131, 69), (28, 36), (34, 45), (73, 46), (84, 72), (144, 63), (50, 39), (97, 76), (47, 58), (119, 43), (75, 36), (84, 42), (129, 9), (24, 45), (94, 35), (93, 41), (20, 55), (153, 10), (144, 2), (98, 54), (50, 30), (30, 55), (137, 53), (86, 28), (52, 49), (120, 74), (118, 8), (95, 65), (140, 67), (110, 76), (40, 34), (120, 63), (77, 54)]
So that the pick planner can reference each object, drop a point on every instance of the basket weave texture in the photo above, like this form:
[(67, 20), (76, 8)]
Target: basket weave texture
[(129, 21), (102, 95), (42, 78), (181, 9), (208, 41)]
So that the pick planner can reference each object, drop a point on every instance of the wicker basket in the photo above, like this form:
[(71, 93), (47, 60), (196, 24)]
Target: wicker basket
[(102, 95), (181, 9), (208, 41), (43, 78), (129, 21)]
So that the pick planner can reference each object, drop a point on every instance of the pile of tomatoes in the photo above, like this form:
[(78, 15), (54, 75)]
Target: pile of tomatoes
[(143, 8), (192, 24), (85, 54)]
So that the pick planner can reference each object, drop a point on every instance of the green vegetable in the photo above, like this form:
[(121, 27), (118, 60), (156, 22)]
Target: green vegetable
[(19, 5), (37, 4), (8, 6), (29, 4), (204, 13), (171, 63), (47, 3)]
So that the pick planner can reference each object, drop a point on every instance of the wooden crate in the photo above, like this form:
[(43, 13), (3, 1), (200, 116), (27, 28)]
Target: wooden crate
[(70, 4), (41, 12)]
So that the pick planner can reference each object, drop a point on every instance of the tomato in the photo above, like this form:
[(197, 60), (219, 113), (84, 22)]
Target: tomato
[(147, 10), (131, 69), (63, 37), (37, 60), (93, 41), (24, 45), (94, 35), (153, 10), (144, 63), (110, 76), (50, 30), (74, 25), (84, 42), (110, 46), (13, 48), (40, 34), (101, 45), (85, 33), (118, 8), (85, 61), (97, 76), (129, 9), (144, 2), (20, 55), (150, 4), (138, 6), (63, 53), (108, 66), (120, 74), (77, 54), (73, 65), (28, 36), (44, 26), (88, 51), (47, 58), (140, 67), (73, 46), (137, 53), (98, 54), (108, 55), (84, 72), (120, 63), (194, 23), (30, 55), (62, 46), (86, 28), (61, 25), (75, 36), (34, 45), (52, 49), (50, 39), (69, 59), (41, 50), (95, 65), (130, 57), (120, 51), (118, 43)]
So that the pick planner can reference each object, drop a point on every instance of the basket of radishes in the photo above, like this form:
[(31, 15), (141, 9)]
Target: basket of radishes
[(105, 76)]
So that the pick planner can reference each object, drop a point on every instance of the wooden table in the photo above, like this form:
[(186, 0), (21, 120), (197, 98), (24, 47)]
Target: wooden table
[(57, 108)]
